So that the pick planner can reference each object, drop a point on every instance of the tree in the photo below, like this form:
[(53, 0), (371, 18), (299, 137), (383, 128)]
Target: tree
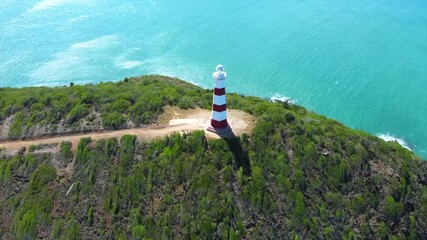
[(228, 174), (393, 209), (299, 210), (258, 187), (138, 232), (240, 175), (382, 230)]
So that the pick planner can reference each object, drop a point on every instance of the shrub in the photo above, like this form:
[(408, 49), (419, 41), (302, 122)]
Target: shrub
[(43, 175), (358, 204), (114, 121), (186, 102), (127, 151), (90, 219), (32, 148), (138, 232), (83, 152), (120, 106), (65, 153), (5, 170), (30, 162), (76, 113), (57, 229), (15, 130), (393, 209), (146, 109), (72, 229), (27, 226)]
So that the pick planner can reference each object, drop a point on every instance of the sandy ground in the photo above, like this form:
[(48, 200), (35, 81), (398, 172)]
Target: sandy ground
[(173, 120)]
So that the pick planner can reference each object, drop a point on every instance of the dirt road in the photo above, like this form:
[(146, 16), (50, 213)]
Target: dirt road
[(172, 121)]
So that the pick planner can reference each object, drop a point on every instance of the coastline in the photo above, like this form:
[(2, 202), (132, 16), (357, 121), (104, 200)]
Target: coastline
[(60, 128)]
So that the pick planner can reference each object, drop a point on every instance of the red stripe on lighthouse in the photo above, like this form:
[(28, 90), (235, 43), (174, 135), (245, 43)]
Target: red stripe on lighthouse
[(219, 124), (219, 108), (219, 91)]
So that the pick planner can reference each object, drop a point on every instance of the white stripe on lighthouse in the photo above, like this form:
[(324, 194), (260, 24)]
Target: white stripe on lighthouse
[(219, 116), (219, 100), (219, 84)]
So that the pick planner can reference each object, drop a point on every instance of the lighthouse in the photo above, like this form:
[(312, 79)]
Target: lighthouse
[(218, 122)]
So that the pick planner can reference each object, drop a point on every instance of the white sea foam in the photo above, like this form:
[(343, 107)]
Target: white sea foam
[(79, 18), (174, 68), (46, 4), (391, 138), (280, 98), (127, 59), (73, 61), (97, 42), (129, 64)]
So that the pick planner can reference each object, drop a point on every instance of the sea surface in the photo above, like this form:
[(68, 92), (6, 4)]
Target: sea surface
[(361, 62)]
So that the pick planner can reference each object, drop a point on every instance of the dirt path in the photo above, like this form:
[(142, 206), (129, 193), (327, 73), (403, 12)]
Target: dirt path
[(173, 120)]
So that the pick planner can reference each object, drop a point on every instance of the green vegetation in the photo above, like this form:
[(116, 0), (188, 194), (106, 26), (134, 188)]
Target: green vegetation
[(33, 207), (15, 130), (296, 176), (136, 101), (72, 230), (27, 227), (65, 153)]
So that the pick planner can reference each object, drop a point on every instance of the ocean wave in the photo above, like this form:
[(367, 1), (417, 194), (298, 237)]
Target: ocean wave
[(280, 98), (391, 138)]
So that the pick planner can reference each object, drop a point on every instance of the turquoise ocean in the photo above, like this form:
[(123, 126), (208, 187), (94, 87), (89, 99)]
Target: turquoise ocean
[(361, 62)]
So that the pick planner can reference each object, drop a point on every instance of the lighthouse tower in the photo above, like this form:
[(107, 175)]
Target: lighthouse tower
[(218, 122)]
